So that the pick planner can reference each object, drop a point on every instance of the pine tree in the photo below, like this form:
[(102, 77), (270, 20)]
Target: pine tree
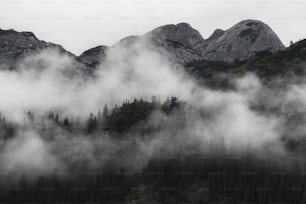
[(92, 123), (66, 122)]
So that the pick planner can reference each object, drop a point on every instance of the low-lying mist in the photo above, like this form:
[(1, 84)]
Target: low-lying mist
[(252, 118)]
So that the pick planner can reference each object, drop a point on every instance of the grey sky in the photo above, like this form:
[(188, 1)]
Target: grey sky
[(79, 25)]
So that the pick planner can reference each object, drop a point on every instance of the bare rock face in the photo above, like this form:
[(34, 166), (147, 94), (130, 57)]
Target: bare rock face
[(240, 42)]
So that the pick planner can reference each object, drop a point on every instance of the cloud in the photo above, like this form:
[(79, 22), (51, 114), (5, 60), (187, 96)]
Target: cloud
[(27, 153), (246, 119)]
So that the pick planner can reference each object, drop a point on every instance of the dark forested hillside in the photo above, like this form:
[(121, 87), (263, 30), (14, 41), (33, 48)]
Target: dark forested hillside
[(165, 178)]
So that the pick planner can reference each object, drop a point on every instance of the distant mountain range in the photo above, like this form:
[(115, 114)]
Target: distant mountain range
[(244, 44)]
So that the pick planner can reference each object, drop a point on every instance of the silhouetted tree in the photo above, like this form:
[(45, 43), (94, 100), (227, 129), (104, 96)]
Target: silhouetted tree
[(92, 123), (66, 122)]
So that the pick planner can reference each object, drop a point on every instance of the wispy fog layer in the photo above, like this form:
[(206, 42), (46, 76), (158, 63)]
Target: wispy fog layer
[(252, 118)]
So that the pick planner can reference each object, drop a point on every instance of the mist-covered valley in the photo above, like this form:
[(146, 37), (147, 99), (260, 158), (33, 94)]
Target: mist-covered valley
[(139, 122)]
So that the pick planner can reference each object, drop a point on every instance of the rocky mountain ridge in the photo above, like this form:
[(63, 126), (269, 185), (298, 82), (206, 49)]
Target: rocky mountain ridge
[(185, 44), (181, 42)]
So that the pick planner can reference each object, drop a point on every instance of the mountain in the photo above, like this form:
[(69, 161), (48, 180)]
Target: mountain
[(175, 41), (184, 44), (240, 42)]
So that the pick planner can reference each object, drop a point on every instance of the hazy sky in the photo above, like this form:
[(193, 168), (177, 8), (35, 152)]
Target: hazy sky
[(79, 25)]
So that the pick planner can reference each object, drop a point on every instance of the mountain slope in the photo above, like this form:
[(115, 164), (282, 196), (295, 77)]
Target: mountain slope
[(267, 65)]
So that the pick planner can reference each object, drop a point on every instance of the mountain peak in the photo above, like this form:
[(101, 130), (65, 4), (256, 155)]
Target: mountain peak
[(240, 42), (252, 29), (181, 32)]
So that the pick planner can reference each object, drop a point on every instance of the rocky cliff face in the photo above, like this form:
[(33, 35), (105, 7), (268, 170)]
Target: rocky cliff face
[(240, 42)]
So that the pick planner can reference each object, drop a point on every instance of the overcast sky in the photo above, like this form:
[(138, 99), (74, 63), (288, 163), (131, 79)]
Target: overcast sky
[(79, 24)]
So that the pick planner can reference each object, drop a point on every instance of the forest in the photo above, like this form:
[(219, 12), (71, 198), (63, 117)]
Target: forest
[(178, 177)]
